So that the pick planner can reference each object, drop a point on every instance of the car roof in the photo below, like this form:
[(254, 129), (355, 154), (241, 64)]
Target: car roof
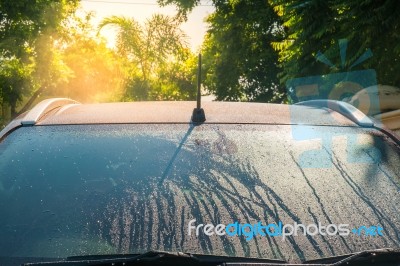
[(62, 111), (181, 111)]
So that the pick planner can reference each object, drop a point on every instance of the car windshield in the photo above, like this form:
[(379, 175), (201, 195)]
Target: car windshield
[(209, 189), (244, 128)]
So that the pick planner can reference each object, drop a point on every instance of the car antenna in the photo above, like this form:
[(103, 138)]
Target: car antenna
[(198, 115)]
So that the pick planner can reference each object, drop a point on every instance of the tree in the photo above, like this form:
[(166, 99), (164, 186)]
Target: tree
[(184, 6), (13, 81), (25, 29), (239, 61), (153, 51), (373, 25), (318, 25), (92, 71), (306, 28), (177, 79)]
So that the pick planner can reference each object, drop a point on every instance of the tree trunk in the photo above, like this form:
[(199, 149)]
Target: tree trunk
[(30, 101)]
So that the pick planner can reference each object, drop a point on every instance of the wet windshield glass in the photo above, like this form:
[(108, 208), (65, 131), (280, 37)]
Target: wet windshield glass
[(236, 190)]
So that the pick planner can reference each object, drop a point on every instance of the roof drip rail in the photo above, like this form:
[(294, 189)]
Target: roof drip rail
[(37, 112), (343, 108)]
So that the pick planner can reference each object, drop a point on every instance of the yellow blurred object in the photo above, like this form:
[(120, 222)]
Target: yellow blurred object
[(391, 120), (389, 99)]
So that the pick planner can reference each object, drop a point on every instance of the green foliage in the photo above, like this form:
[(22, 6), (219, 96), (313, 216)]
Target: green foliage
[(184, 6), (317, 25), (26, 35), (13, 80), (240, 62), (308, 24), (21, 22), (304, 29), (374, 25), (91, 71), (154, 55)]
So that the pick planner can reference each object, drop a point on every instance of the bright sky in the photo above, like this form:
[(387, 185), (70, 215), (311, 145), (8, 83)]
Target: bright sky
[(140, 10)]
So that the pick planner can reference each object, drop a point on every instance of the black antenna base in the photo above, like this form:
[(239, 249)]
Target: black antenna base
[(198, 115)]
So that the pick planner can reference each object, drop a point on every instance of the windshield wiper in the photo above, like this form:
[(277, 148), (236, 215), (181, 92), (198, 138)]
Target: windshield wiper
[(154, 258), (376, 257), (384, 256)]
